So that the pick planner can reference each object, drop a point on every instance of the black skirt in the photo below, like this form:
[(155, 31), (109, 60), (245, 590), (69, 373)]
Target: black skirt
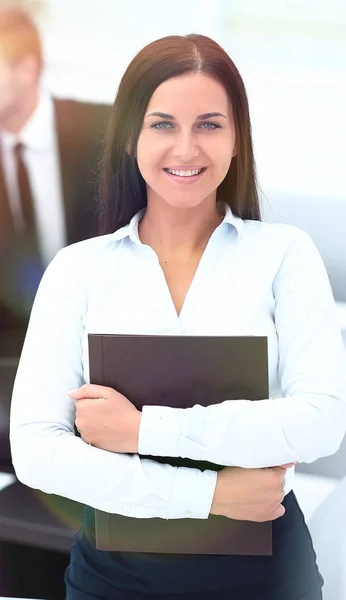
[(291, 573)]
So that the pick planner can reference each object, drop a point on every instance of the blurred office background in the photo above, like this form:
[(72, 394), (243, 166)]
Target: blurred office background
[(292, 57)]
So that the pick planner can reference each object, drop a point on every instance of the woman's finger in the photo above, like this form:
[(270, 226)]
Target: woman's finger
[(89, 390)]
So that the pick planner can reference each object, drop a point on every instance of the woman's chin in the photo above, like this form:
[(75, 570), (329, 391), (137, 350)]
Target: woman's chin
[(184, 202)]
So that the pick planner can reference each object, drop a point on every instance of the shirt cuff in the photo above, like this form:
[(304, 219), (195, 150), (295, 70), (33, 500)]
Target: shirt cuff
[(193, 490), (161, 430)]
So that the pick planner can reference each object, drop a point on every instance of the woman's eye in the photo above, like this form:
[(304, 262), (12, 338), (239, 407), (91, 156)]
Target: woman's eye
[(158, 125), (213, 125), (167, 125)]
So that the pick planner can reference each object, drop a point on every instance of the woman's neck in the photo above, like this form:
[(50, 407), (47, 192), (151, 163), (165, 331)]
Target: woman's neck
[(178, 230)]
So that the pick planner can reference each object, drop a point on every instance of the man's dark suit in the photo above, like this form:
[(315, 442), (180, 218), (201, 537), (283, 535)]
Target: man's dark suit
[(80, 129)]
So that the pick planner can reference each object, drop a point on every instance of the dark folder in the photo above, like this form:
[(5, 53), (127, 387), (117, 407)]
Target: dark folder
[(181, 371)]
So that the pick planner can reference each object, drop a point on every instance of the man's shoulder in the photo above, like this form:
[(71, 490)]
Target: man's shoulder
[(81, 126), (81, 105), (77, 111)]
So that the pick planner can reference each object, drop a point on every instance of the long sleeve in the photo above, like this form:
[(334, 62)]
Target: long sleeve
[(308, 421), (45, 451)]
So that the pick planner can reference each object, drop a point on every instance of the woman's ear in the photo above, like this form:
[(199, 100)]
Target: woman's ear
[(235, 150)]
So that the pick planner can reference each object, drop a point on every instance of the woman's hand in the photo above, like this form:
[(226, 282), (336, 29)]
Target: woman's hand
[(106, 419), (250, 494)]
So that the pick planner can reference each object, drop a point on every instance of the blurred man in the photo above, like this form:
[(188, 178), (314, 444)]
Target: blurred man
[(49, 152)]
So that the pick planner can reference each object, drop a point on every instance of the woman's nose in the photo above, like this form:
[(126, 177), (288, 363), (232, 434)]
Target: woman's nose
[(186, 147)]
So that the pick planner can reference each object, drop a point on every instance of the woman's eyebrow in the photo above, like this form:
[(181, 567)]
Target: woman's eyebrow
[(199, 118)]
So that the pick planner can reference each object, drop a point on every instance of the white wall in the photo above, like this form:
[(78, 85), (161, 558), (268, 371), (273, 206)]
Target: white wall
[(89, 43), (291, 54)]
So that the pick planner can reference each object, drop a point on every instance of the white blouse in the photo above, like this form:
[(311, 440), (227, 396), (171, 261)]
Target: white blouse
[(253, 279)]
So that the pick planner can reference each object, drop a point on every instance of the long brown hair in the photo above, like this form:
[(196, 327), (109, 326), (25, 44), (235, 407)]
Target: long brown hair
[(122, 187)]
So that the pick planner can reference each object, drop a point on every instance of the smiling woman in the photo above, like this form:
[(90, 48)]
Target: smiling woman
[(158, 125), (187, 147), (182, 251)]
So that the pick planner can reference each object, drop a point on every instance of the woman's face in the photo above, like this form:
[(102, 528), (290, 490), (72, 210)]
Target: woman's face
[(185, 136)]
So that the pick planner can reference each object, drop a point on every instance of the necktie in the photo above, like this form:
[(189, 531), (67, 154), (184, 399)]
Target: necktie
[(6, 220), (20, 263), (29, 266), (25, 194)]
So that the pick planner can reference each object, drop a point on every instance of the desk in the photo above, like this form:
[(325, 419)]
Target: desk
[(6, 479), (36, 534), (31, 517)]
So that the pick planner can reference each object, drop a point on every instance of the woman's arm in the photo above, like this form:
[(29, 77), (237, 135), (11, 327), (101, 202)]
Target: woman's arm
[(309, 421), (45, 451)]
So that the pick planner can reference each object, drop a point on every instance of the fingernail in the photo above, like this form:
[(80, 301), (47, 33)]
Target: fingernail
[(72, 391)]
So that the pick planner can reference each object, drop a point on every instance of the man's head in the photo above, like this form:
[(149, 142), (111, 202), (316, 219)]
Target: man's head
[(20, 64)]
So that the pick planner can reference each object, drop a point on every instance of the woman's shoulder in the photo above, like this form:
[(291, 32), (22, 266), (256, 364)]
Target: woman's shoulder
[(83, 255), (275, 234), (89, 247)]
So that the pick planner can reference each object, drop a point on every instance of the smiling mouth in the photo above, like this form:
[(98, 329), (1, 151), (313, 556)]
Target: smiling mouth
[(186, 174)]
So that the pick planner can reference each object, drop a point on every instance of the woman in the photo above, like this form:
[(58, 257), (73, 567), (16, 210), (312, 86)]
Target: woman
[(182, 251)]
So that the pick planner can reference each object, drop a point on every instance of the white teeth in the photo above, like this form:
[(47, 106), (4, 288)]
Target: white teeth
[(184, 173)]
